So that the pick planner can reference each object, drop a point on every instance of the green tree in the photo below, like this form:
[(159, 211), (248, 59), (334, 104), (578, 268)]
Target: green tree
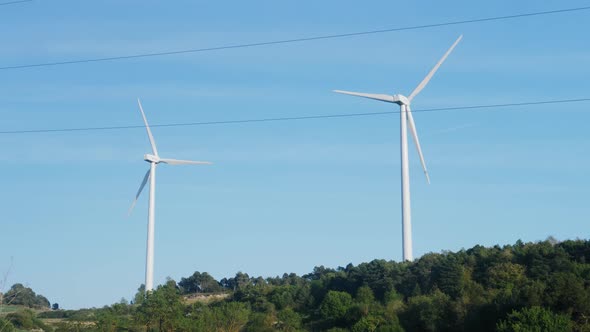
[(162, 308), (448, 276), (428, 312), (335, 305), (367, 324), (106, 321), (18, 294), (364, 300), (260, 322), (506, 275), (365, 295), (283, 296), (140, 295), (199, 283), (567, 293), (288, 320), (535, 319), (381, 276), (227, 317)]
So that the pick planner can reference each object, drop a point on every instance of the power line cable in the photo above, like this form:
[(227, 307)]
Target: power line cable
[(310, 117), (295, 40), (14, 2)]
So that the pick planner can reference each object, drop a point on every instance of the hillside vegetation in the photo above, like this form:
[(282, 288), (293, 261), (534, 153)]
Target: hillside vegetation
[(542, 286)]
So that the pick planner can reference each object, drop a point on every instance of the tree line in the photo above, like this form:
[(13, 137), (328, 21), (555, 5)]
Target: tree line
[(542, 286)]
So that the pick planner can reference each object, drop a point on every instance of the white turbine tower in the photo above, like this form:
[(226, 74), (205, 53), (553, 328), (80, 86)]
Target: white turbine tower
[(406, 118), (154, 159)]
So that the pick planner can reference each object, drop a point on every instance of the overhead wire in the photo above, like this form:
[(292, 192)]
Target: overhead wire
[(495, 18), (295, 40), (309, 117), (14, 2)]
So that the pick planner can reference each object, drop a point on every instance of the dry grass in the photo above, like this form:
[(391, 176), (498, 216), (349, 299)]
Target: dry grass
[(205, 298)]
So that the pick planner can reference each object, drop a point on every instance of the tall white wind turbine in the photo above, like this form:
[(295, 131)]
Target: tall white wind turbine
[(407, 119), (154, 159)]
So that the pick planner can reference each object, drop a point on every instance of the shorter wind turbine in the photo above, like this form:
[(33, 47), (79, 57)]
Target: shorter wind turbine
[(406, 118), (154, 159)]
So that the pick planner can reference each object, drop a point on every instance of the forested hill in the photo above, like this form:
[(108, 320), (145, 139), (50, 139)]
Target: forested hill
[(470, 290), (543, 286)]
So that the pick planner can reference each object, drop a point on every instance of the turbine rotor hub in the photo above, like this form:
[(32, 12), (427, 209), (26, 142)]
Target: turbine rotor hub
[(401, 100), (150, 158)]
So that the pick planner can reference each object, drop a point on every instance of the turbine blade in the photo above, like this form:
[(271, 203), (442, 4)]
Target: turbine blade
[(183, 162), (425, 81), (417, 141), (145, 179), (147, 127), (381, 97)]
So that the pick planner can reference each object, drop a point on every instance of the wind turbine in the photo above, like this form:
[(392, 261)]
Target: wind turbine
[(154, 159), (406, 118)]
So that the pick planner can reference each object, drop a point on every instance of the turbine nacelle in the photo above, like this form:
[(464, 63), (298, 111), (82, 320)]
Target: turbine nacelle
[(150, 158), (395, 99), (400, 100)]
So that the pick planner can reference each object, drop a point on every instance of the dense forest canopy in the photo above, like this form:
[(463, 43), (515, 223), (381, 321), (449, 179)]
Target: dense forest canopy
[(543, 286)]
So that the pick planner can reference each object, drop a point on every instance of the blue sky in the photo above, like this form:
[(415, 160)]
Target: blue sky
[(282, 196)]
